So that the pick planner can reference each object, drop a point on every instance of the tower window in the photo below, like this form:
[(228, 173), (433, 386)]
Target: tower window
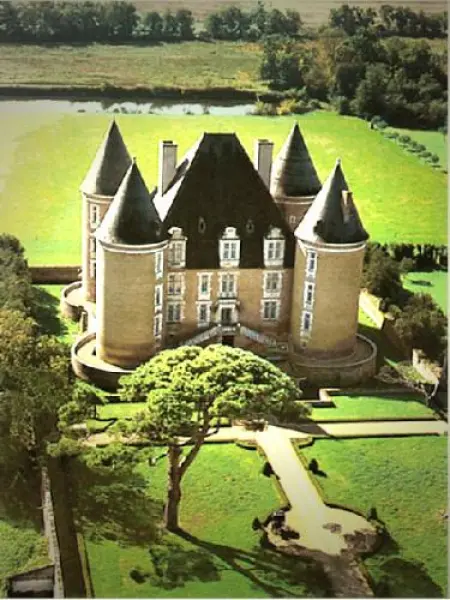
[(311, 262), (93, 268), (158, 325), (158, 297), (159, 264), (309, 294), (94, 215), (306, 321)]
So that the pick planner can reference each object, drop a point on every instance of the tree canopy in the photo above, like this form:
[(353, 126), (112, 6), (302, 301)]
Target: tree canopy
[(186, 389)]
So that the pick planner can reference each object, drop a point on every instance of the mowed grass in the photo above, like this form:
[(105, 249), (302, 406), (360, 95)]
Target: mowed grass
[(434, 141), (405, 479), (49, 315), (373, 407), (399, 199), (218, 557), (22, 547), (119, 410), (186, 65), (429, 282)]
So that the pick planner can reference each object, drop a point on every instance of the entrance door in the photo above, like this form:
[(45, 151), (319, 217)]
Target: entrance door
[(228, 340)]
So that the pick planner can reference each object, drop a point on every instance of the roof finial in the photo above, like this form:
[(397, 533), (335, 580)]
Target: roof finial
[(338, 162)]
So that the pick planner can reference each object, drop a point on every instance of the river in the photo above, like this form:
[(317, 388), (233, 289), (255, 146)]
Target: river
[(109, 106)]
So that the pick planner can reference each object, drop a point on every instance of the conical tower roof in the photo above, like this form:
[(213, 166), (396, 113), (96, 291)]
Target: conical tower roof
[(294, 173), (109, 166), (132, 218), (332, 218)]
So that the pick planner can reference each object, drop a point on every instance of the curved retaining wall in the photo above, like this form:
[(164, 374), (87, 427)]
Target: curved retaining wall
[(107, 380), (68, 309), (344, 374)]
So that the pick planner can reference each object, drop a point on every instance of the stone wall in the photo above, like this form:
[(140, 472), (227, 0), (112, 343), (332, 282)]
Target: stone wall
[(55, 274), (51, 533)]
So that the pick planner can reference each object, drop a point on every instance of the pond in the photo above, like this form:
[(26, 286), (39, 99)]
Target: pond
[(105, 105)]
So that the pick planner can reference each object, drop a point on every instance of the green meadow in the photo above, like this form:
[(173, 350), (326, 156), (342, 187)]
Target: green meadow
[(45, 157), (217, 555), (405, 480), (434, 141), (429, 282)]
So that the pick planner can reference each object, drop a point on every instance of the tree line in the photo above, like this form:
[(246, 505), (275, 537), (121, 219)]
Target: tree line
[(402, 81), (389, 20), (83, 21)]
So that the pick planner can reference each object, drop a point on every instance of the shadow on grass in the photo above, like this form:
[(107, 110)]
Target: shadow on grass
[(406, 579), (114, 505), (268, 571), (46, 312)]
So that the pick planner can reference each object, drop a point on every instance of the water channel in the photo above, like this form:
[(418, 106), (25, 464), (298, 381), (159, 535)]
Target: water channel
[(105, 105)]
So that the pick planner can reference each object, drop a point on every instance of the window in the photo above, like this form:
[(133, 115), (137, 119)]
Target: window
[(309, 294), (292, 221), (173, 312), (311, 262), (204, 285), (159, 264), (201, 225), (204, 313), (272, 283), (158, 297), (229, 247), (274, 245), (93, 268), (94, 216), (228, 284), (175, 284), (177, 253), (92, 246), (306, 321), (158, 325), (270, 310)]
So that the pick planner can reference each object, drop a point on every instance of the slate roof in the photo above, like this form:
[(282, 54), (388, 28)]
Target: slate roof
[(293, 172), (216, 185), (328, 220), (109, 166), (132, 218)]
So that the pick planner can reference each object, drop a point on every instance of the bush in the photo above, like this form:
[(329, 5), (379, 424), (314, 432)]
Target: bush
[(313, 466), (381, 275), (407, 265), (265, 109)]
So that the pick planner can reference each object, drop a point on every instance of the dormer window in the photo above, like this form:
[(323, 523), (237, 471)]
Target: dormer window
[(274, 244), (177, 248), (230, 248)]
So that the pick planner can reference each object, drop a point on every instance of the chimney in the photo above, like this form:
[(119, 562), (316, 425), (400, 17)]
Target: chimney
[(263, 160), (167, 164)]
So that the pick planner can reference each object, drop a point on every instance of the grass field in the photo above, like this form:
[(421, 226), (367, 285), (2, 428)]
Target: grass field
[(219, 558), (120, 410), (187, 65), (406, 481), (40, 202), (22, 547), (432, 282), (369, 407), (435, 142), (49, 315)]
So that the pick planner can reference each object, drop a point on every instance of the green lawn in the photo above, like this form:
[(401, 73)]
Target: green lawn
[(22, 547), (218, 557), (49, 315), (40, 202), (432, 282), (405, 479), (187, 65), (435, 142), (120, 410), (367, 407)]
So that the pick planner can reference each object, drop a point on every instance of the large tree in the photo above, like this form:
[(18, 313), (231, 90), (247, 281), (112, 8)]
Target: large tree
[(189, 388)]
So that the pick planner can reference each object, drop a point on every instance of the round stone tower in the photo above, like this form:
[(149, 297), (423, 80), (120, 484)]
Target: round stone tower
[(327, 275), (131, 262), (98, 188), (294, 181)]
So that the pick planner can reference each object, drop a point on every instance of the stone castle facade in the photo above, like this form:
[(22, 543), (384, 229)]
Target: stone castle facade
[(256, 255)]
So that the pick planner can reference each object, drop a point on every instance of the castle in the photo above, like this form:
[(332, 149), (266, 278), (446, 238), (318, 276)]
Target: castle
[(256, 255)]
